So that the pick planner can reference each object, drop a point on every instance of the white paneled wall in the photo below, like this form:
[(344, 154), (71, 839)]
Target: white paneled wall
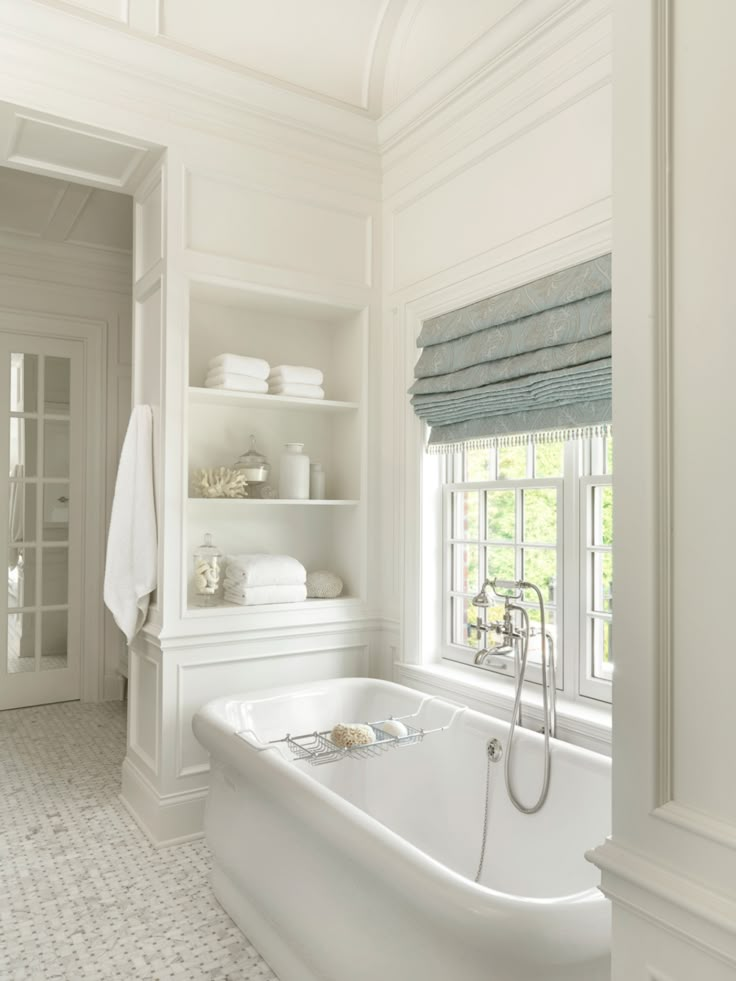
[(670, 867), (510, 182)]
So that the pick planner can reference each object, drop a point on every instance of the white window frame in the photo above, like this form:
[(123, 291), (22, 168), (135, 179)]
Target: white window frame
[(590, 686), (582, 470)]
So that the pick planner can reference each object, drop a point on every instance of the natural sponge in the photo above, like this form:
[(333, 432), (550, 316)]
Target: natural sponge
[(349, 734)]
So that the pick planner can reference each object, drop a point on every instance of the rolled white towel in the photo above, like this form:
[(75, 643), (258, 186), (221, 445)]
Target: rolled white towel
[(260, 595), (297, 391), (241, 365), (259, 569), (296, 374), (236, 383)]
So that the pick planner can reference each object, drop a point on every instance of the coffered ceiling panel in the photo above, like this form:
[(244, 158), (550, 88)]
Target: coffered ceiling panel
[(52, 210), (27, 201)]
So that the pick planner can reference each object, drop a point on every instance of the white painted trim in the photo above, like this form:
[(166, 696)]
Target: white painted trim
[(532, 32), (714, 829), (161, 77), (165, 819), (675, 903), (662, 258)]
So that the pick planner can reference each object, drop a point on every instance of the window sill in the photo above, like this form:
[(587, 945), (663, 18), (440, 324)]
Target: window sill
[(584, 725)]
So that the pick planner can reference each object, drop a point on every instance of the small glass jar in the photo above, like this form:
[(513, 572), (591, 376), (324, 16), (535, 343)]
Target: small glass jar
[(254, 467), (207, 573)]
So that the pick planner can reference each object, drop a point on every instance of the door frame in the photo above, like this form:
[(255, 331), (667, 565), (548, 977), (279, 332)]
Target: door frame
[(93, 336)]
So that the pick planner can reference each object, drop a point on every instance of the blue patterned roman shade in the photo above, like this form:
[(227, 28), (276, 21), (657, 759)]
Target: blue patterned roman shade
[(533, 363)]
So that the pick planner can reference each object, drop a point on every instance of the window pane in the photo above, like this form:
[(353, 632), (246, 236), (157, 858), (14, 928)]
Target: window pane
[(21, 577), (55, 576), (602, 598), (540, 515), (55, 512), (56, 448), (601, 646), (23, 445), (549, 459), (465, 569), (478, 464), (501, 562), (609, 455), (550, 626), (21, 512), (465, 509), (21, 642), (57, 385), (53, 639), (464, 618), (512, 462), (603, 515), (501, 516), (540, 567), (23, 382)]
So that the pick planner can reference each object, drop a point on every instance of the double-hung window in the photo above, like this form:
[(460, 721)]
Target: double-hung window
[(541, 513)]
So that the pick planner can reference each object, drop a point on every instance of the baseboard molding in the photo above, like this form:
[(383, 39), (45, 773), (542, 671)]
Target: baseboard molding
[(165, 820)]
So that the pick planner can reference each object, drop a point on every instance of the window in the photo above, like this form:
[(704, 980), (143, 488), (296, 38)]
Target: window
[(540, 512)]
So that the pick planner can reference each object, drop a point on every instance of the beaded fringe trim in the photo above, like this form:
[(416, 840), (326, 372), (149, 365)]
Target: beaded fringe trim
[(522, 439)]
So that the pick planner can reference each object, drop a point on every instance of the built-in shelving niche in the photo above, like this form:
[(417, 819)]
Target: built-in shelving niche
[(227, 317)]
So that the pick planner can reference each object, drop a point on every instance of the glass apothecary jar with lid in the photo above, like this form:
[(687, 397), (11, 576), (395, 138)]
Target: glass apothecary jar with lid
[(207, 573), (255, 468)]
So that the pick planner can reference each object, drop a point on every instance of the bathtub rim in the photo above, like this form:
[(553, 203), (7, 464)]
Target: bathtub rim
[(241, 754)]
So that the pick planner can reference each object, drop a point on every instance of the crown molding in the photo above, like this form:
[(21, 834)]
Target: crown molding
[(94, 60), (532, 33)]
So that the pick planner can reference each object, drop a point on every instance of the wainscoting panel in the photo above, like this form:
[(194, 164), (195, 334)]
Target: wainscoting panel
[(253, 224)]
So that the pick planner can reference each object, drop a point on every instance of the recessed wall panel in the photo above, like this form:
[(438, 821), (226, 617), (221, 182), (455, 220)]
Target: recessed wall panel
[(255, 225), (553, 170)]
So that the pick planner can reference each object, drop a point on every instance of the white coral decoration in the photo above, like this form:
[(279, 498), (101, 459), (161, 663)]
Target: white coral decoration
[(219, 482), (323, 585)]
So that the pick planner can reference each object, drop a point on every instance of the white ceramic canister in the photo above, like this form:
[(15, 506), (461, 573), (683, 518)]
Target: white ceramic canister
[(316, 482), (294, 473)]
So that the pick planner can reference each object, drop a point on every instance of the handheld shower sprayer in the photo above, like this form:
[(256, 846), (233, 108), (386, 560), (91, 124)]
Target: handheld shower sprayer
[(516, 641)]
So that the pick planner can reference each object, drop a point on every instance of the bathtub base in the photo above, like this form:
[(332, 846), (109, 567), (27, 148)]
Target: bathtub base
[(263, 934)]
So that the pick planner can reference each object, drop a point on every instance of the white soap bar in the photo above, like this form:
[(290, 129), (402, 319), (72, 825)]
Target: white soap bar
[(393, 727)]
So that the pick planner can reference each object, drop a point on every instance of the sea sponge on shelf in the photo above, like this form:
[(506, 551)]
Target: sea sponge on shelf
[(349, 734)]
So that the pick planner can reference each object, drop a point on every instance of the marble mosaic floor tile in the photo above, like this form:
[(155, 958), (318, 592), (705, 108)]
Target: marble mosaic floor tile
[(83, 895)]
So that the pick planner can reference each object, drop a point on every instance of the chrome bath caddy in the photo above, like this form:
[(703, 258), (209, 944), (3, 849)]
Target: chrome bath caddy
[(316, 748)]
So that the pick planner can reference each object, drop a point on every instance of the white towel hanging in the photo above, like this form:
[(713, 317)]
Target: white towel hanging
[(132, 543)]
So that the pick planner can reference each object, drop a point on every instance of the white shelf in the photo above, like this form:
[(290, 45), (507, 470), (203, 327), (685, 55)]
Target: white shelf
[(254, 502), (233, 609), (249, 400)]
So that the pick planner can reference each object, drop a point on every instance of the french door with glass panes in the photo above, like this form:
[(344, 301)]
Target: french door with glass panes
[(41, 444)]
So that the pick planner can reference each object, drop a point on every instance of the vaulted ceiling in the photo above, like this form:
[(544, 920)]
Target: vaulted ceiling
[(368, 55)]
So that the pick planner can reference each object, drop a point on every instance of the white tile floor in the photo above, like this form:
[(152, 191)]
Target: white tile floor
[(83, 895)]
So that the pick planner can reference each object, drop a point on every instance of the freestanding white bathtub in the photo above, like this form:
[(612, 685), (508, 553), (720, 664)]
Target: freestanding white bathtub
[(362, 869)]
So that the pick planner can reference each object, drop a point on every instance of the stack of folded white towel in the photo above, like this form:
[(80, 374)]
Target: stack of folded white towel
[(238, 373), (251, 580), (296, 380)]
